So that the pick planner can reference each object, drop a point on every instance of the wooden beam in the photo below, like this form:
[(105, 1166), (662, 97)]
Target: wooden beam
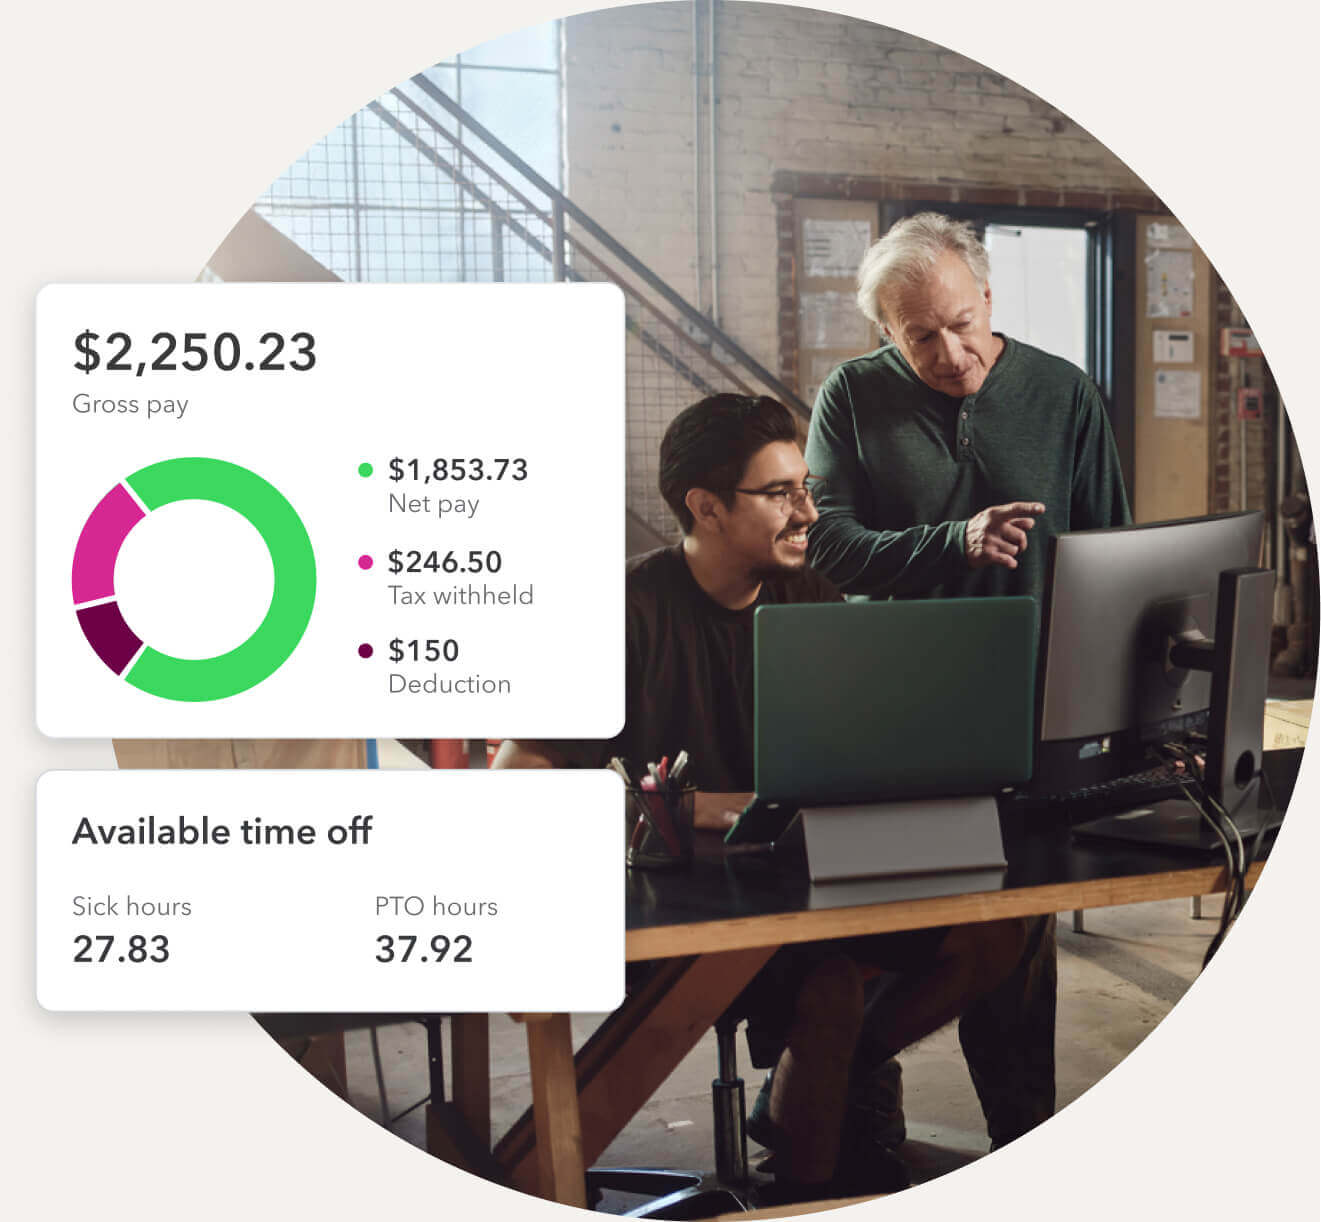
[(470, 1052), (708, 937), (635, 1050), (559, 1162)]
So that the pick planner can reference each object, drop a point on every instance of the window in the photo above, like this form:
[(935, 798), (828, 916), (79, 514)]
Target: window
[(1039, 287), (386, 196)]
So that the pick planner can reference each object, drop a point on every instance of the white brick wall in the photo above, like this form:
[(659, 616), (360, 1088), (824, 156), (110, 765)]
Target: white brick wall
[(812, 92)]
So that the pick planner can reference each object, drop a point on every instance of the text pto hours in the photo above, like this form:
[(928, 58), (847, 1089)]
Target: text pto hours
[(194, 351)]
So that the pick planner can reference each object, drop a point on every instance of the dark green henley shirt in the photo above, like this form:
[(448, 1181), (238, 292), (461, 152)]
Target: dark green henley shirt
[(905, 466)]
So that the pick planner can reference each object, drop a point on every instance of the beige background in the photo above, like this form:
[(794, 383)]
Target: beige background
[(137, 134)]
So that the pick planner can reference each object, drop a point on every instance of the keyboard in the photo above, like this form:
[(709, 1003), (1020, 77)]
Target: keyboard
[(1158, 784)]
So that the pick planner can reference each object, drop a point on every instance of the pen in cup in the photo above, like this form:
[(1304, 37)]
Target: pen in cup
[(660, 836), (645, 819), (657, 797)]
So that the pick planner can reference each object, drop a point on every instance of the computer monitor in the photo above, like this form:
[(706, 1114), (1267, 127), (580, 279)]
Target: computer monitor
[(1154, 633)]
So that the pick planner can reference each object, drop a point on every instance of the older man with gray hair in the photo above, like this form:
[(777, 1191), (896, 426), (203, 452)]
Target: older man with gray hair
[(938, 455), (945, 447)]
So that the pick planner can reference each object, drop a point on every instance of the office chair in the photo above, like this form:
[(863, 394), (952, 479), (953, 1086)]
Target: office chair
[(690, 1194)]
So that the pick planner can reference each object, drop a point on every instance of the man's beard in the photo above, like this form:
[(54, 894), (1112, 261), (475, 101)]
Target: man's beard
[(770, 568)]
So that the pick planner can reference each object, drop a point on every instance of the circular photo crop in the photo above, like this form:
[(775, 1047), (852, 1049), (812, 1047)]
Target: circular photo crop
[(897, 331)]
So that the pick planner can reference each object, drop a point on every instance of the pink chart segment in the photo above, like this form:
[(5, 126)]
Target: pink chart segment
[(104, 532), (98, 545)]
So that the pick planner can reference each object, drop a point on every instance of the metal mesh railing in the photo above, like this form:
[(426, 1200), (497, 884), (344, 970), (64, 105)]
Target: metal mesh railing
[(445, 201), (368, 207)]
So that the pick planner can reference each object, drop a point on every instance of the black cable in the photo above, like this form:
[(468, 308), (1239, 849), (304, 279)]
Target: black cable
[(1261, 823), (1229, 901), (1270, 789), (1236, 869)]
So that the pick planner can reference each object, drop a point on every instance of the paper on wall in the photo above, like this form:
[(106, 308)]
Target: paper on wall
[(1178, 394), (834, 248), (832, 320), (1169, 284), (1165, 235)]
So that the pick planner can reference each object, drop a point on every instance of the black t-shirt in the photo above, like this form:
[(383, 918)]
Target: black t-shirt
[(688, 672)]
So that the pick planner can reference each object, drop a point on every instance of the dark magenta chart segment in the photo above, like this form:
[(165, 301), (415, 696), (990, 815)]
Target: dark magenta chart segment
[(261, 513), (111, 639)]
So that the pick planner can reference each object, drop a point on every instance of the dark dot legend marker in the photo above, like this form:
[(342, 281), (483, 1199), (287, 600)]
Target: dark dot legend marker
[(364, 651)]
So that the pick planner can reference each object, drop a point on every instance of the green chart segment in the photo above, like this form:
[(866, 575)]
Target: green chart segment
[(276, 637)]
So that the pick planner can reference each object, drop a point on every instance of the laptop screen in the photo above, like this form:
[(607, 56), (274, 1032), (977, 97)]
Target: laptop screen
[(868, 701)]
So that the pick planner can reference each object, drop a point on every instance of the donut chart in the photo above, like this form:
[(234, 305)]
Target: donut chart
[(193, 679)]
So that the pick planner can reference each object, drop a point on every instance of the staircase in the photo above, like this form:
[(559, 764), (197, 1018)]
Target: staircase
[(474, 210)]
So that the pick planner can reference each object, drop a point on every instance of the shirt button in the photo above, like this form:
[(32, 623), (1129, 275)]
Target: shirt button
[(964, 441), (965, 415)]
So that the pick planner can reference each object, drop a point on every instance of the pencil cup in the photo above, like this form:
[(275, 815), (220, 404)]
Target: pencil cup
[(659, 827)]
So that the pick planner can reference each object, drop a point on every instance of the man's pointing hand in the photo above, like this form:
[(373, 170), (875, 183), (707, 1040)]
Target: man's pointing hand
[(998, 535)]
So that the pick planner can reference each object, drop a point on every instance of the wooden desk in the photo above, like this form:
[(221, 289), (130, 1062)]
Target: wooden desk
[(716, 925), (713, 927)]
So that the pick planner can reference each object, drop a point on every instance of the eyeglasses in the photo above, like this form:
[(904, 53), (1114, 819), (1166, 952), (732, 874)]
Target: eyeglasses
[(787, 498)]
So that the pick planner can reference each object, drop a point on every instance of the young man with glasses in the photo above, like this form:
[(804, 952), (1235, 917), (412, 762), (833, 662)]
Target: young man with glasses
[(732, 472)]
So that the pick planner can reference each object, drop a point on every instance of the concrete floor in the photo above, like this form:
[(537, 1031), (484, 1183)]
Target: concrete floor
[(1117, 981)]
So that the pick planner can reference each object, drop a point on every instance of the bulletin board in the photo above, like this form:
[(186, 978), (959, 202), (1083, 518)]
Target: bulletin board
[(830, 237), (1174, 372)]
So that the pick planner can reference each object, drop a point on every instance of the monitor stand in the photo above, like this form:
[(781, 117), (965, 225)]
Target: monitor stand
[(920, 836), (1238, 660)]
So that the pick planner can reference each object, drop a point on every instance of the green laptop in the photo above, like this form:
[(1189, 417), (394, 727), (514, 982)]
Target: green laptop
[(873, 701)]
